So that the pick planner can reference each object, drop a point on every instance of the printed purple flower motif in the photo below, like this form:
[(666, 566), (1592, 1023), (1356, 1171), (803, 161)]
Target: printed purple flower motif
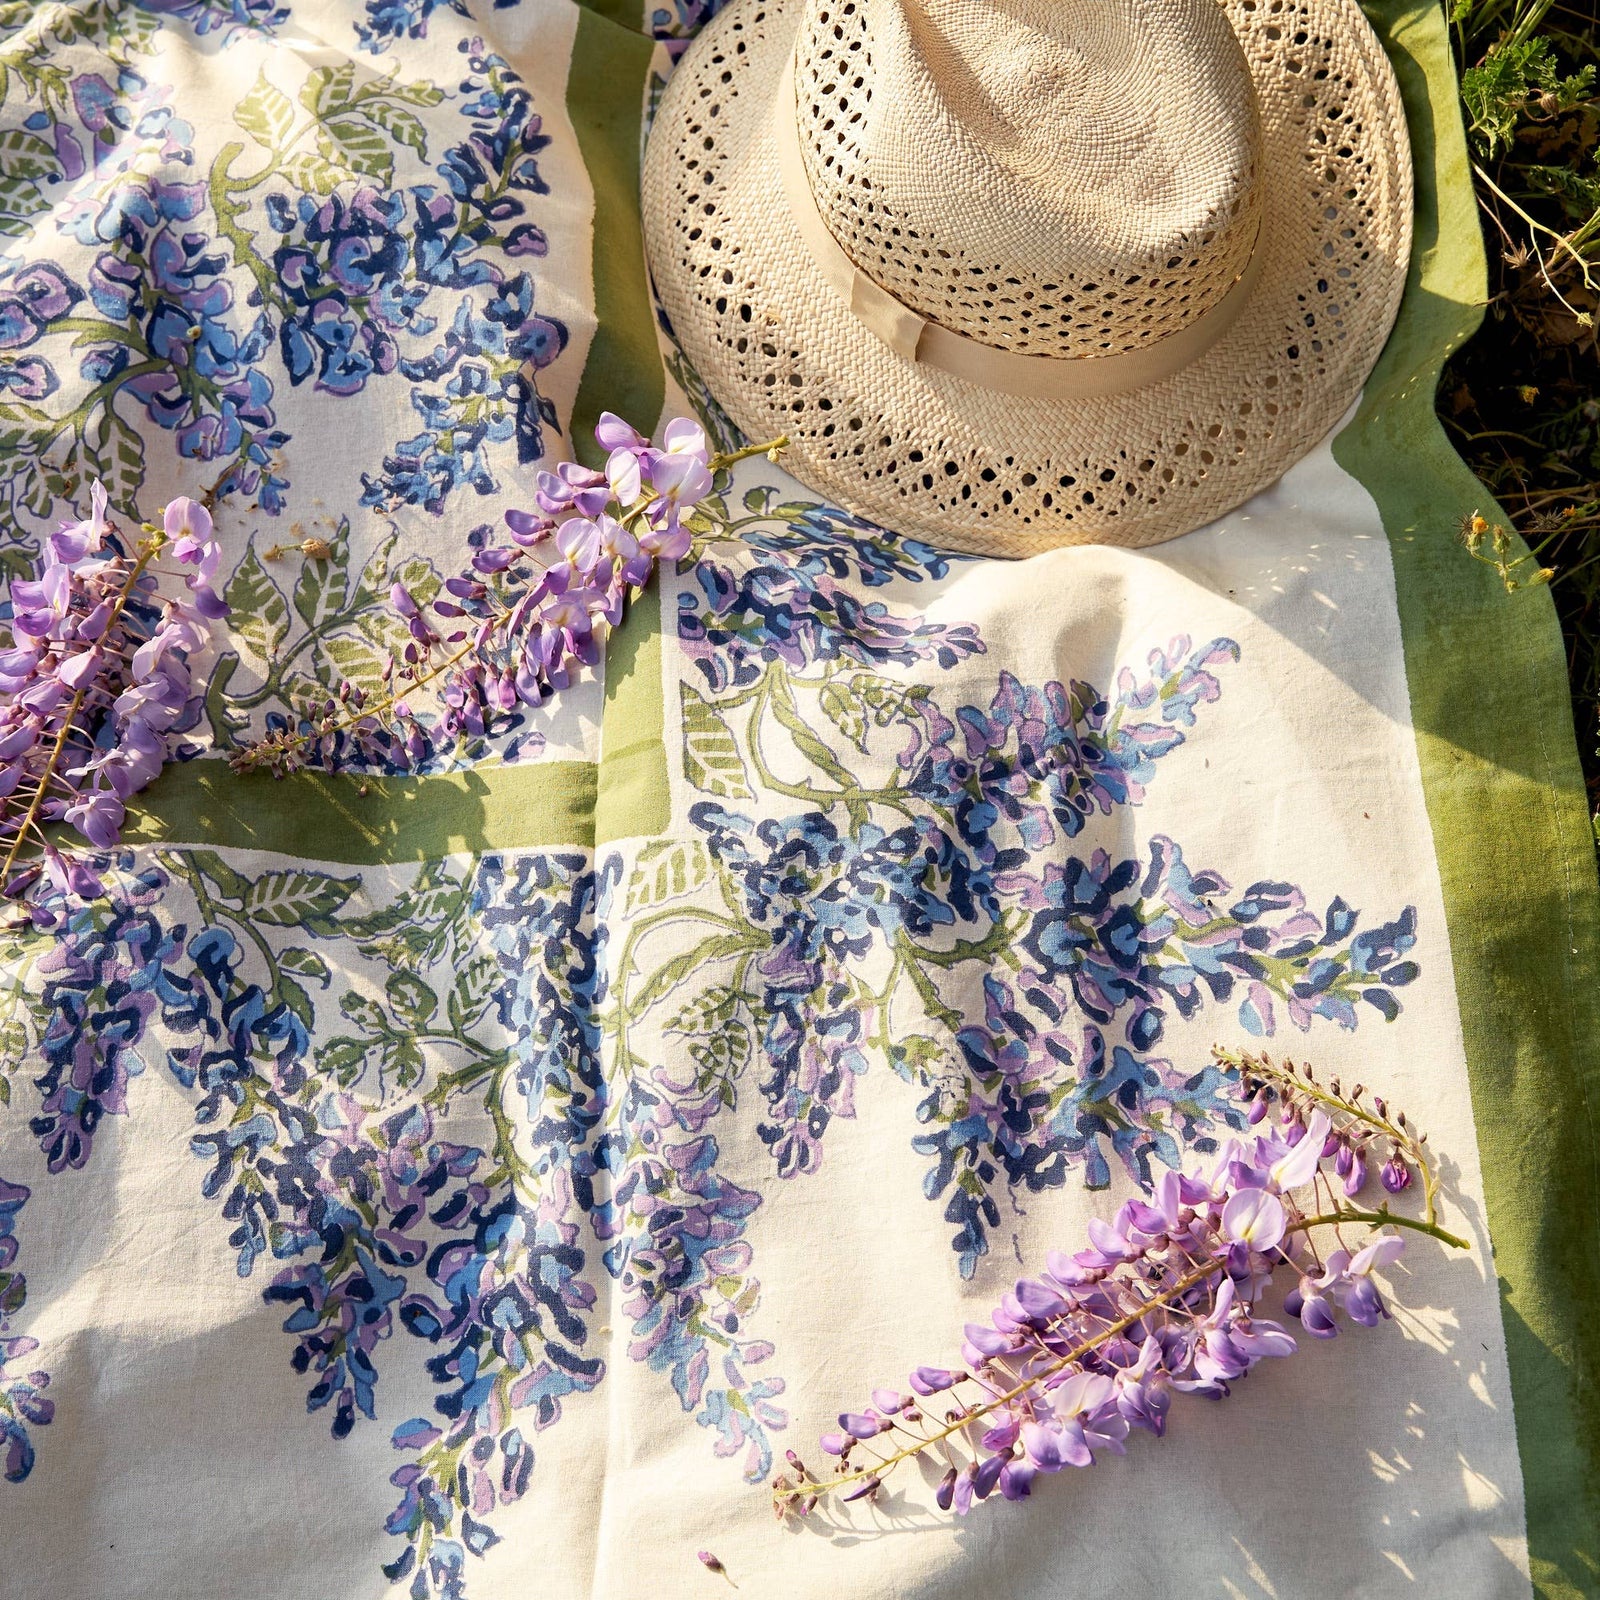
[(1124, 942), (791, 596), (22, 1399), (475, 390), (373, 1195), (110, 970), (181, 352), (232, 19), (30, 300)]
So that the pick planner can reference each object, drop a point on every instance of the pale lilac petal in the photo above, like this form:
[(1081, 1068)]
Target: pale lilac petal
[(1254, 1217), (1296, 1169)]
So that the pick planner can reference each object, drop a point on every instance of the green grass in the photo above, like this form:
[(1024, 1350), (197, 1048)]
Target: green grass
[(1522, 399)]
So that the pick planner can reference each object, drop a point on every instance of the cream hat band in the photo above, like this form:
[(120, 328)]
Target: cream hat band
[(914, 337)]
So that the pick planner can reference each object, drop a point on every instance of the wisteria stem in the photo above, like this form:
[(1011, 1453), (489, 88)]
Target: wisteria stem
[(879, 1468), (379, 709), (884, 1465), (1349, 1106), (770, 450), (1383, 1217)]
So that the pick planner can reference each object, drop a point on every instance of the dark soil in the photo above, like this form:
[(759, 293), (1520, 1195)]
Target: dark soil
[(1522, 399)]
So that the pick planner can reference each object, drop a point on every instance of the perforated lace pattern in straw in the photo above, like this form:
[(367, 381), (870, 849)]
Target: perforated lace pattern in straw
[(1325, 169), (1106, 202)]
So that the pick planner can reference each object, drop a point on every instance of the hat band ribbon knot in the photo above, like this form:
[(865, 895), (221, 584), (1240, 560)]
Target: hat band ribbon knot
[(928, 344)]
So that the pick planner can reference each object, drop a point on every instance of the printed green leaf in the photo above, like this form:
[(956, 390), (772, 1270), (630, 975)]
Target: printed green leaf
[(402, 1062), (414, 94), (116, 459), (298, 1001), (845, 712), (666, 871), (13, 1048), (864, 699), (313, 172), (30, 487), (419, 577), (354, 143), (321, 590), (266, 114), (328, 89), (356, 659), (367, 1014), (711, 759), (288, 899), (707, 1012), (411, 1000), (723, 1055), (404, 127), (25, 156), (344, 1057), (384, 633), (259, 615), (307, 963), (473, 990), (372, 587)]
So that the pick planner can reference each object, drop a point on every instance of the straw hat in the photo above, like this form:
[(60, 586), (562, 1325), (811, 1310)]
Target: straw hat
[(1020, 273)]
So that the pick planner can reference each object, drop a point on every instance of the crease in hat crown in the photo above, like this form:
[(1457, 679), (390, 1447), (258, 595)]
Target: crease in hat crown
[(1058, 178)]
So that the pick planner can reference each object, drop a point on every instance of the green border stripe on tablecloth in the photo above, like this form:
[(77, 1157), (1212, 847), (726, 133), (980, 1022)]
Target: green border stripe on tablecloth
[(606, 85), (634, 798), (626, 13), (606, 89), (328, 819), (1489, 703)]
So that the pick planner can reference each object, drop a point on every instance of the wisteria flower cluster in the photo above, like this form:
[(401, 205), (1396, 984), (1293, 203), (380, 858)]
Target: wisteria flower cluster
[(1165, 1299), (96, 674), (515, 626)]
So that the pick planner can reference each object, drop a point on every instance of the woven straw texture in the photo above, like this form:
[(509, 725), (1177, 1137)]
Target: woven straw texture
[(1053, 177)]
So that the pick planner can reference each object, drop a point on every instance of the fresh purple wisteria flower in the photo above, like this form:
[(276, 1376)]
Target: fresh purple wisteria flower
[(96, 673), (1167, 1298), (525, 616)]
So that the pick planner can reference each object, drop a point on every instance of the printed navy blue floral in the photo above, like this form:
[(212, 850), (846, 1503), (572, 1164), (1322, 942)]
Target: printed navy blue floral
[(444, 1182)]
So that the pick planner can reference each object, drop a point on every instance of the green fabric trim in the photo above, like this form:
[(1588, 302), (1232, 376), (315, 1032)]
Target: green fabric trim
[(634, 794), (1489, 702), (625, 13), (327, 819), (606, 85)]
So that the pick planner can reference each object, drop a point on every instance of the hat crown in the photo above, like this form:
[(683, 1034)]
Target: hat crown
[(1054, 177)]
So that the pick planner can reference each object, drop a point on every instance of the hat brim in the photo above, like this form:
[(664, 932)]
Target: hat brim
[(924, 452)]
